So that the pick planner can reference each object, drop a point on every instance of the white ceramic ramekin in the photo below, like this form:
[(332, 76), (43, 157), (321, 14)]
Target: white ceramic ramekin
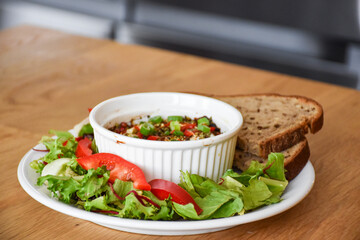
[(209, 157)]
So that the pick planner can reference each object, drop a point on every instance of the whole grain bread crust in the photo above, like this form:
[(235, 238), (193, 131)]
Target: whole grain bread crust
[(291, 136), (294, 167), (294, 163)]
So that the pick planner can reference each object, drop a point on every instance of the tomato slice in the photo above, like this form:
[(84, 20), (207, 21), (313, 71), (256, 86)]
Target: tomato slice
[(119, 168), (83, 148), (162, 189)]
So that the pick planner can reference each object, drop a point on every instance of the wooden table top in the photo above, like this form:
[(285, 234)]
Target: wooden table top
[(48, 79)]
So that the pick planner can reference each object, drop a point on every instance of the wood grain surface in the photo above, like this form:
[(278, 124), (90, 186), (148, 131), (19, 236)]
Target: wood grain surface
[(48, 79)]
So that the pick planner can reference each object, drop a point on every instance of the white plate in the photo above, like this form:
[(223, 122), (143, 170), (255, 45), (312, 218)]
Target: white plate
[(297, 189)]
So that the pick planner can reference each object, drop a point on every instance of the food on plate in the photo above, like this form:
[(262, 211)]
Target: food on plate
[(275, 123), (75, 173), (108, 184), (172, 128)]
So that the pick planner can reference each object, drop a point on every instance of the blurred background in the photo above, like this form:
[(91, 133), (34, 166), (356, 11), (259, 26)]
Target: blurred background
[(316, 39)]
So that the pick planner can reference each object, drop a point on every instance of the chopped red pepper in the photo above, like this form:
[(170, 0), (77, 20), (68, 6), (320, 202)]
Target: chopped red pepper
[(139, 135), (121, 130), (153, 138), (188, 133), (64, 143), (212, 129), (78, 138), (188, 126), (83, 148), (119, 168)]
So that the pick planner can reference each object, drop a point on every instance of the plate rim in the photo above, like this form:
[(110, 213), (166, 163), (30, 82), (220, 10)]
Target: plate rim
[(187, 225)]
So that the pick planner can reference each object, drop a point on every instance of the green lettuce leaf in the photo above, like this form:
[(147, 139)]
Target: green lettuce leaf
[(64, 145), (186, 182), (99, 203), (74, 166), (242, 178), (93, 183), (86, 129), (254, 169), (66, 187), (276, 187), (230, 208), (215, 200), (255, 194), (121, 188), (209, 205), (62, 187), (134, 209), (259, 185), (275, 166)]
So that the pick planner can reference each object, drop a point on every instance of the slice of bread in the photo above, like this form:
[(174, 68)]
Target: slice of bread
[(295, 159), (273, 122)]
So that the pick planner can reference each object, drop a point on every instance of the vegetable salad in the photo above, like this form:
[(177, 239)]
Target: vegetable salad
[(76, 174)]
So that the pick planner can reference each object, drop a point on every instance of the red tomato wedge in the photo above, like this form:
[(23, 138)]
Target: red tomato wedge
[(119, 169), (162, 189), (83, 148)]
